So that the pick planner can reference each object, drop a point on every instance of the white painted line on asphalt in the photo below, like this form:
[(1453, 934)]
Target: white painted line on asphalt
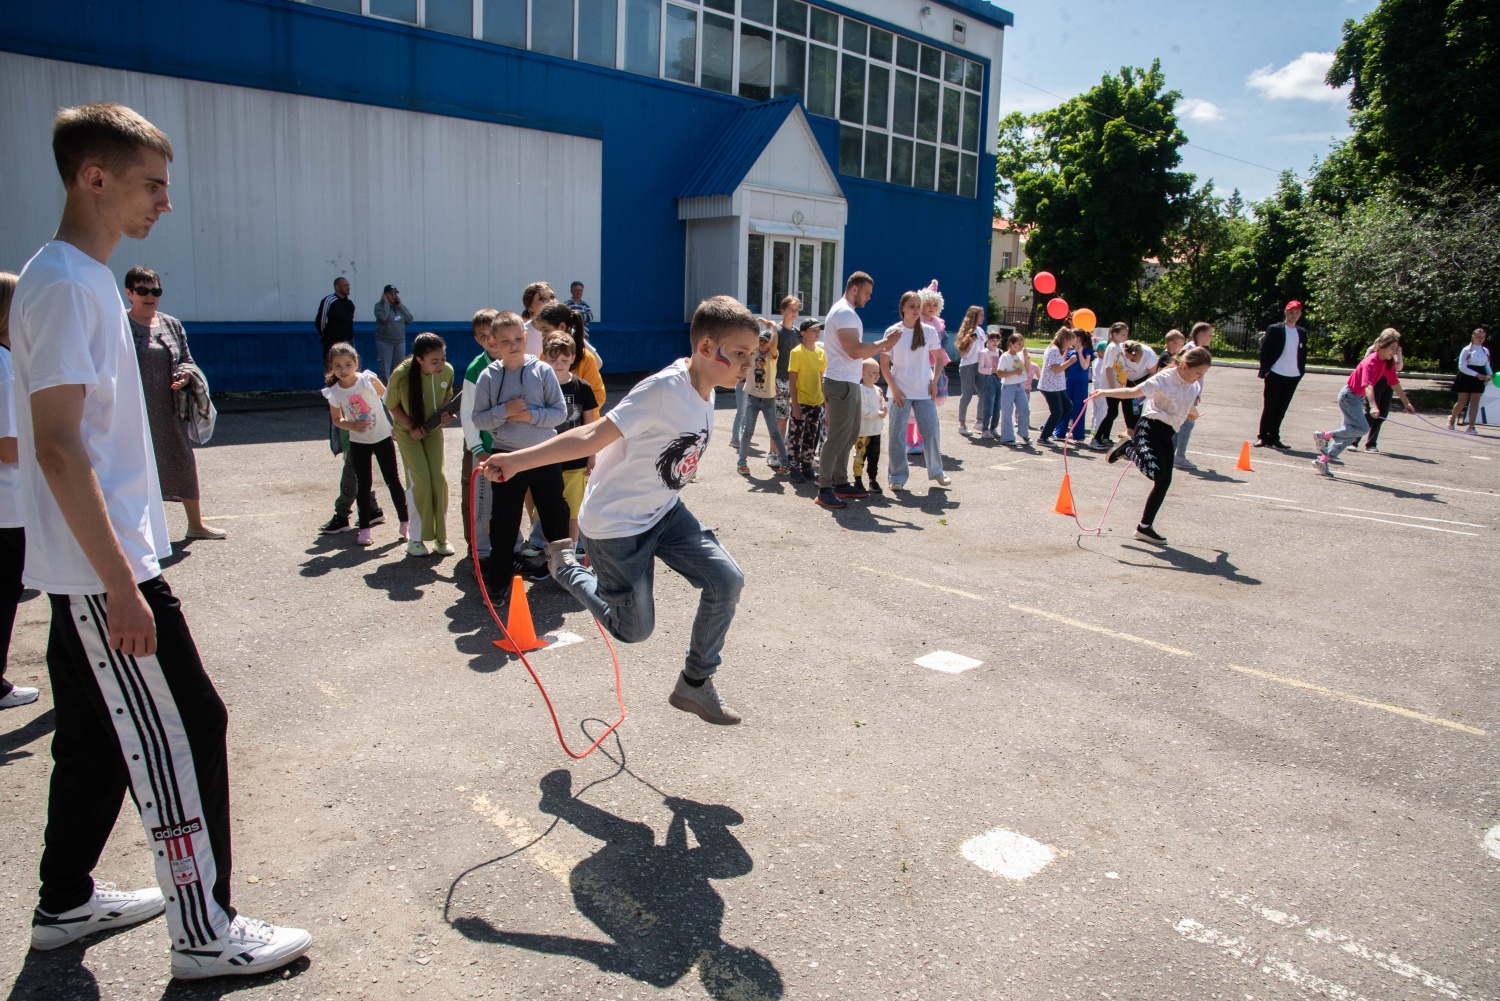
[(1439, 486), (922, 583), (1358, 517), (1283, 500), (1360, 700), (1492, 842), (1413, 517), (947, 662), (1006, 853), (1100, 629), (1351, 476), (1486, 458), (561, 638), (257, 514), (1240, 949)]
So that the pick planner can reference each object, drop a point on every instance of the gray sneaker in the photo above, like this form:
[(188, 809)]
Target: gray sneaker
[(561, 554), (703, 702)]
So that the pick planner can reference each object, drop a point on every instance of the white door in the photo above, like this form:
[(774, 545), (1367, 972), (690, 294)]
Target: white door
[(778, 266)]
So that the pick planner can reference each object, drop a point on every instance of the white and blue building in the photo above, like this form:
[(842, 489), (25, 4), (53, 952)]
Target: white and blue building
[(660, 151)]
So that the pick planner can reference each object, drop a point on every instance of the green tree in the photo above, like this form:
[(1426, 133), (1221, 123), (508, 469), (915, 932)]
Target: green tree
[(1279, 243), (1210, 264), (1096, 178)]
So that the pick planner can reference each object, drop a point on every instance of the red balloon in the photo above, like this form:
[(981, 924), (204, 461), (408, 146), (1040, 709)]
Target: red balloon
[(1045, 283), (1057, 309)]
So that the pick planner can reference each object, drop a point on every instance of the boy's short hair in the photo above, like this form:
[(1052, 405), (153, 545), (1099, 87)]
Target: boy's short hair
[(557, 344), (859, 278), (718, 317), (507, 318), (484, 319), (1174, 334), (106, 133)]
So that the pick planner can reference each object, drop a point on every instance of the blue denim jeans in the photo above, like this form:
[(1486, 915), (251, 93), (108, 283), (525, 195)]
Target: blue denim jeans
[(617, 586), (925, 412), (989, 402), (1356, 424), (739, 410), (1015, 405), (968, 380), (763, 407), (1183, 434)]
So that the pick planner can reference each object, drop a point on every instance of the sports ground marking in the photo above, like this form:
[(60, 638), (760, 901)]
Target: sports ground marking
[(922, 583), (947, 662), (1008, 854), (1100, 629), (1283, 506), (1492, 842), (1359, 700), (1413, 517), (1351, 476)]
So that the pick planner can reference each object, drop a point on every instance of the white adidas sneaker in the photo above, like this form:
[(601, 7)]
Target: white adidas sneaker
[(106, 910), (248, 947)]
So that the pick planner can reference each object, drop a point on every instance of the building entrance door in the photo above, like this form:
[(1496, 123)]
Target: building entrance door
[(778, 266)]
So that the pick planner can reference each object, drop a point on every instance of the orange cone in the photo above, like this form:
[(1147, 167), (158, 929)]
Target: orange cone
[(522, 634), (1244, 462), (1065, 497)]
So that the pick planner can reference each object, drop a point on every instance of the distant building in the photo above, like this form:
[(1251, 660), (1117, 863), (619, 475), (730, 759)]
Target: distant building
[(1008, 250)]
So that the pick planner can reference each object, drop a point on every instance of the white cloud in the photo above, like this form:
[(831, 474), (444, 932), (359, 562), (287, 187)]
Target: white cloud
[(1195, 109), (1300, 79)]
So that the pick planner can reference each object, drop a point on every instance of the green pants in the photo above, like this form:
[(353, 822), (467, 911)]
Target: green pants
[(429, 487)]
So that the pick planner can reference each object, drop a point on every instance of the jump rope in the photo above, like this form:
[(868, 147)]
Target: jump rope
[(485, 591), (1099, 528)]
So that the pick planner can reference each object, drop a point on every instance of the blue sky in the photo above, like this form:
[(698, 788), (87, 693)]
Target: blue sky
[(1249, 73)]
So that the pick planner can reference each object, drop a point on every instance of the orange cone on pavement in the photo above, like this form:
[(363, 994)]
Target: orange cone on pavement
[(519, 630), (1065, 497), (1244, 462)]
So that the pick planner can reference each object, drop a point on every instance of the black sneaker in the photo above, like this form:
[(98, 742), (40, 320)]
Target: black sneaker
[(875, 488), (1148, 534), (797, 475), (338, 523), (377, 519), (828, 498), (850, 491), (1119, 449)]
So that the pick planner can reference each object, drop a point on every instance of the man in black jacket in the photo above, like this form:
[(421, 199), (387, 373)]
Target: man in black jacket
[(1283, 360)]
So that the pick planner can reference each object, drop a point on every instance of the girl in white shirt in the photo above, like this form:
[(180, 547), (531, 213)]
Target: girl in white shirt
[(989, 385), (970, 342), (1474, 370), (1014, 376), (354, 401), (909, 371), (1056, 360), (1171, 397)]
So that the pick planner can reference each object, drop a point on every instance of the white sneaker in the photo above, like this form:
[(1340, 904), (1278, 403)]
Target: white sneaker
[(106, 910), (19, 696), (416, 549), (249, 947), (942, 482)]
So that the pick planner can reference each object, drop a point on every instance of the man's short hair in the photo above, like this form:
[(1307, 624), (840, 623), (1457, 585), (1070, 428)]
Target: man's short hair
[(108, 134), (340, 278), (858, 278), (484, 319), (557, 344), (573, 285), (720, 316)]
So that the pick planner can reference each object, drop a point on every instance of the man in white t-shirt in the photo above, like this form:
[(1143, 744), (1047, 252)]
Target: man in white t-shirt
[(134, 704), (843, 343)]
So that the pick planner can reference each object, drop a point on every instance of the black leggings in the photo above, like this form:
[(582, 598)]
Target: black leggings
[(1383, 394), (507, 498), (1111, 408), (12, 559), (1153, 449), (383, 452)]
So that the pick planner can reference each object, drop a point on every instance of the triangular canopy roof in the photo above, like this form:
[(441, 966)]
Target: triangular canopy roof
[(743, 141)]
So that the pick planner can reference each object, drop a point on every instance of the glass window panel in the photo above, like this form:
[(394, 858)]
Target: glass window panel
[(951, 100), (932, 61), (755, 273), (718, 53), (953, 68), (928, 92), (791, 65), (596, 31), (875, 150), (781, 270), (948, 171), (822, 80), (825, 26), (552, 27), (827, 277), (755, 62), (453, 16), (642, 36), (974, 78), (347, 6), (398, 10), (906, 53), (968, 177), (806, 255), (971, 122), (877, 96), (925, 173), (505, 22), (852, 90), (727, 6), (851, 146), (759, 11), (904, 112), (682, 44), (856, 36), (901, 157), (791, 15), (882, 44)]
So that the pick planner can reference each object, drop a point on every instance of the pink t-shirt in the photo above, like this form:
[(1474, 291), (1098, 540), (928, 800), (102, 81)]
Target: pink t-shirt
[(1371, 371), (988, 359)]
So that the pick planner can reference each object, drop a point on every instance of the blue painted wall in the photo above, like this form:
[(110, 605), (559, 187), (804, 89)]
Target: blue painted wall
[(651, 130)]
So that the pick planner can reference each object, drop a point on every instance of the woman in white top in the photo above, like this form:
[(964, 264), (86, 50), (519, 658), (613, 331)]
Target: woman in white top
[(1474, 370), (1171, 397), (912, 377), (12, 534), (970, 342)]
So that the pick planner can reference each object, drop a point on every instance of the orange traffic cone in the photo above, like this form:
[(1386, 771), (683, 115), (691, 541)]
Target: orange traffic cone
[(1065, 498), (519, 630), (1244, 462)]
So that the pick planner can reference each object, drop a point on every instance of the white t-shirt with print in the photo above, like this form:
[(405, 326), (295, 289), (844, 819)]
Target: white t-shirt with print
[(760, 381), (1138, 369), (911, 371), (361, 402), (10, 472), (665, 425), (1011, 367), (841, 367), (68, 328), (1169, 397)]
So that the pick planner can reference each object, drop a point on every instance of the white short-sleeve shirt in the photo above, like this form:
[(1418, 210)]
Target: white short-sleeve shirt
[(361, 402), (841, 367), (10, 472), (68, 328), (911, 371), (1169, 397)]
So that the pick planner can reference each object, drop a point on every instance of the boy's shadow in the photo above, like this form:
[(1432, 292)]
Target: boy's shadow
[(327, 556), (656, 905), (403, 580)]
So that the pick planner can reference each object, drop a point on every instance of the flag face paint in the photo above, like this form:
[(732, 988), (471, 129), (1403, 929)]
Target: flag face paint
[(720, 356)]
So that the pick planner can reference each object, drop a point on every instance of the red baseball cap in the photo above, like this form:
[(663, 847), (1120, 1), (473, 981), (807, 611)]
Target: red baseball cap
[(1294, 304)]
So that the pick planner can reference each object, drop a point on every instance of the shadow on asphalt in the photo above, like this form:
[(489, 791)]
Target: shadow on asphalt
[(329, 555), (1180, 559), (10, 743), (656, 905), (1398, 492), (470, 621)]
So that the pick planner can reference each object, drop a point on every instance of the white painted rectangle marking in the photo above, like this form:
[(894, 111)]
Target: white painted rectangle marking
[(1006, 853), (561, 638), (947, 662), (1412, 517)]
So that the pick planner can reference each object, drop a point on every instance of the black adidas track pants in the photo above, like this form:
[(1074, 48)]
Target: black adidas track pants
[(154, 724)]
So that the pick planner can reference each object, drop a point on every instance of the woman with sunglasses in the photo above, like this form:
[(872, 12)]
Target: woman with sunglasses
[(160, 346)]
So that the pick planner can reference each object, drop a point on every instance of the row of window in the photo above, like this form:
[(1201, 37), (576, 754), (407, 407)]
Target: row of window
[(911, 111)]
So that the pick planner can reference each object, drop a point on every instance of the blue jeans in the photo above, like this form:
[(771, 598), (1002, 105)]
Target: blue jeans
[(1356, 424), (989, 401), (764, 407), (739, 410), (1078, 391), (1183, 434), (925, 412), (1015, 403), (968, 380), (617, 586)]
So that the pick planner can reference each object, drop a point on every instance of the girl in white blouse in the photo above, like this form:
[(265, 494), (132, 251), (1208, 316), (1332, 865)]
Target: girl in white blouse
[(1474, 370)]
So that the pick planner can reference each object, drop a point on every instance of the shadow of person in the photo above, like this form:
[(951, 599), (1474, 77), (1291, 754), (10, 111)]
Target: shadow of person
[(219, 987), (20, 737), (655, 904), (1211, 475), (475, 630), (1181, 559), (59, 974), (326, 558), (405, 579), (1398, 492)]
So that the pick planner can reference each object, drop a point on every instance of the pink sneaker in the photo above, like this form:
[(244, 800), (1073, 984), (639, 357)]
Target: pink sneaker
[(364, 538), (405, 534)]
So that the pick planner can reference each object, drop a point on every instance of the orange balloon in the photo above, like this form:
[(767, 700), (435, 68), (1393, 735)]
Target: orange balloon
[(1084, 319), (1057, 309)]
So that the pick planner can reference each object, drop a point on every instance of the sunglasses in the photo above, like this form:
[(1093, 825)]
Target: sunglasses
[(142, 290)]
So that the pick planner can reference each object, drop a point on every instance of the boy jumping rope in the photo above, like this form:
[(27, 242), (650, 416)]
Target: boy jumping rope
[(648, 447)]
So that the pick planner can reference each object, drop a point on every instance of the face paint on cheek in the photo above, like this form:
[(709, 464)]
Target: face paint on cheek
[(719, 356)]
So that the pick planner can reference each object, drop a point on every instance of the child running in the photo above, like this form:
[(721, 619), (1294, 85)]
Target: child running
[(1377, 367), (989, 385), (1015, 392), (648, 447), (354, 402), (583, 408), (477, 444), (871, 419), (805, 380), (1170, 397), (421, 387), (760, 401)]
